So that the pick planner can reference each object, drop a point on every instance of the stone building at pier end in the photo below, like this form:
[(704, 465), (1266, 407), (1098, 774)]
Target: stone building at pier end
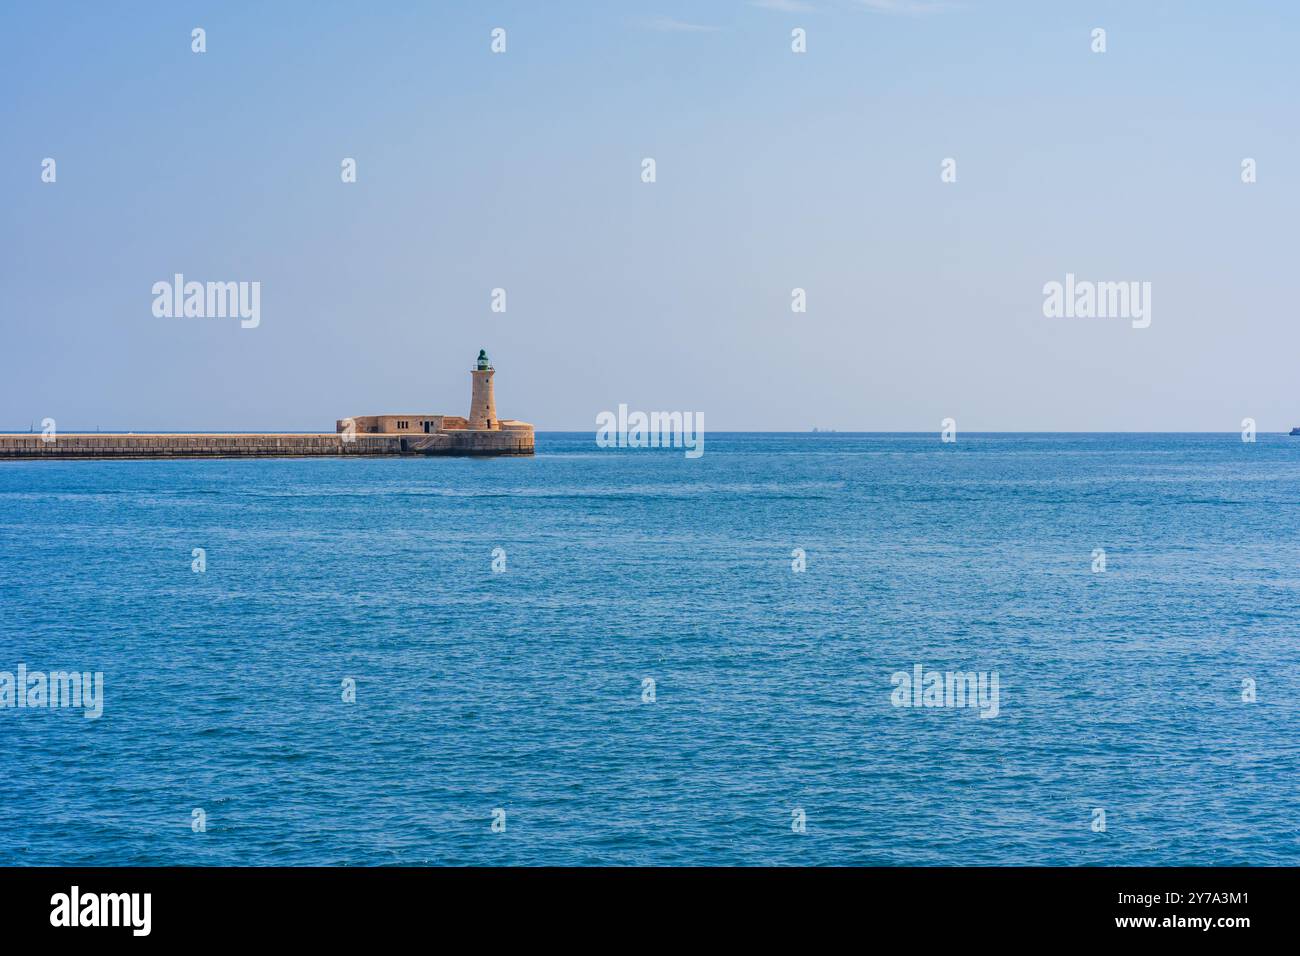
[(481, 433)]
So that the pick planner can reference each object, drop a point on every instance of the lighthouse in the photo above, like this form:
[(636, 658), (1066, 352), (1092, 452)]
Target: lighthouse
[(482, 404)]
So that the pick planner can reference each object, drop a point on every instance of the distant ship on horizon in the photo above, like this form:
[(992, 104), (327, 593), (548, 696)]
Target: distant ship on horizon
[(1295, 431)]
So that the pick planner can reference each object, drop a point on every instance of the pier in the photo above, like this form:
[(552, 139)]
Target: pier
[(481, 434)]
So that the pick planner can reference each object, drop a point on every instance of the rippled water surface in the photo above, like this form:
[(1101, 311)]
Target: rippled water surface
[(523, 690)]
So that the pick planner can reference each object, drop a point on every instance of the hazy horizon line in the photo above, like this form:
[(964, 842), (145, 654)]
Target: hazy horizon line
[(591, 430)]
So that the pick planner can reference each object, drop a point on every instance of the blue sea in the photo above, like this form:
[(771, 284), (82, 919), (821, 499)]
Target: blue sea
[(526, 690)]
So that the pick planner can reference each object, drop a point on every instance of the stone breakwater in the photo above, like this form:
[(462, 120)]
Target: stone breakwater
[(454, 442)]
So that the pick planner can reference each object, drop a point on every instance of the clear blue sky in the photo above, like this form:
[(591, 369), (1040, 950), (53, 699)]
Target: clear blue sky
[(775, 170)]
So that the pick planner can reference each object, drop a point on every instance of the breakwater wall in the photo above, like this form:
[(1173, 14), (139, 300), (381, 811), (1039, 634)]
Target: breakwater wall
[(211, 445)]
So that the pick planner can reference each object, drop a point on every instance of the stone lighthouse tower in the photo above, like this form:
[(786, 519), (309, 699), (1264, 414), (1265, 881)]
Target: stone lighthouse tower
[(482, 404)]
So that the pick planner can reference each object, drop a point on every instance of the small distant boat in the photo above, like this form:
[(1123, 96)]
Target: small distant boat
[(1295, 431)]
